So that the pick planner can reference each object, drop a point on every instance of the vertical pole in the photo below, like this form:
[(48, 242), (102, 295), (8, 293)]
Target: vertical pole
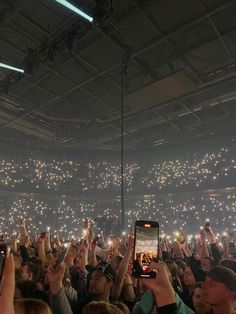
[(122, 147)]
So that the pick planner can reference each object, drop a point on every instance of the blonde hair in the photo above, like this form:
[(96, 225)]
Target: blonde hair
[(31, 306), (121, 306), (101, 307)]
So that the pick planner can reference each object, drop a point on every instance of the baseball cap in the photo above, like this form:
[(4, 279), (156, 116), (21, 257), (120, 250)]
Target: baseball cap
[(103, 267), (224, 275)]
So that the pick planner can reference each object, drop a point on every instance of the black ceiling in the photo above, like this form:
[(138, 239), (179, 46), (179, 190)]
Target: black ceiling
[(178, 59)]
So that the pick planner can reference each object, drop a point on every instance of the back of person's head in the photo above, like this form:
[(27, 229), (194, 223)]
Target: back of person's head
[(174, 272), (31, 306), (207, 262), (123, 307), (229, 263), (29, 289), (172, 268), (101, 307), (181, 264), (34, 269)]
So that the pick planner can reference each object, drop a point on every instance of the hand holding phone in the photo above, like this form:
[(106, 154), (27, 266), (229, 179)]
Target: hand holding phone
[(60, 258), (4, 252), (207, 225), (146, 248)]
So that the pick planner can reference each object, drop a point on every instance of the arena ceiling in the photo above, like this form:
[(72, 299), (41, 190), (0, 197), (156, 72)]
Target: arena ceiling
[(178, 60)]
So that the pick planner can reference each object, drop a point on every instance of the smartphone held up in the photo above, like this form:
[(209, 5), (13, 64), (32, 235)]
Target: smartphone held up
[(4, 252), (146, 248)]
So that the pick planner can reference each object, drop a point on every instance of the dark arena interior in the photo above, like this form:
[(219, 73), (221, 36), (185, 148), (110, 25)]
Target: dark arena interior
[(128, 116)]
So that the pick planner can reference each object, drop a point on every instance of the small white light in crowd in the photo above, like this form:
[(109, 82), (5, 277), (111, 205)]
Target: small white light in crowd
[(48, 229), (123, 233)]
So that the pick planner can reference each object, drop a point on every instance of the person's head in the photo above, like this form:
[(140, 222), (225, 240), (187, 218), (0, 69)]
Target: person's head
[(18, 261), (173, 269), (188, 277), (181, 265), (123, 307), (199, 303), (29, 271), (72, 253), (207, 262), (114, 242), (101, 307), (101, 281), (31, 306), (229, 263), (219, 287), (30, 290)]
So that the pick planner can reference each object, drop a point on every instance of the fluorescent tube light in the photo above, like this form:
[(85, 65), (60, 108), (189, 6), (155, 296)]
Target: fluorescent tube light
[(3, 65), (75, 9)]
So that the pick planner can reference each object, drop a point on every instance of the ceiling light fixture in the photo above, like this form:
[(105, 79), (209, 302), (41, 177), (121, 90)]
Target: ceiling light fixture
[(3, 65), (73, 8)]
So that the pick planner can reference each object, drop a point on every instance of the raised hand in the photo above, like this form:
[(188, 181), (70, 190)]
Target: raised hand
[(22, 223), (55, 277), (161, 285), (8, 287)]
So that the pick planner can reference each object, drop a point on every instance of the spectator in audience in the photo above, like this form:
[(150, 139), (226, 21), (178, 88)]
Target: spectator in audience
[(199, 304), (229, 263), (31, 306), (189, 284), (30, 290), (219, 290), (29, 271), (101, 280), (101, 307)]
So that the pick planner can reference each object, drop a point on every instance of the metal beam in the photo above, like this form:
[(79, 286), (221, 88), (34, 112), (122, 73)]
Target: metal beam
[(224, 44), (183, 103), (137, 53), (168, 42), (158, 41)]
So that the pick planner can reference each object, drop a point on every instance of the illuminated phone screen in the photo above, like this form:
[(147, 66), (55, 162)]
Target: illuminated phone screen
[(3, 252), (146, 245)]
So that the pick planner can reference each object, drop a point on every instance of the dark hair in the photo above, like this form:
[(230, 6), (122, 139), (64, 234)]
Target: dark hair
[(229, 263), (34, 269), (29, 289), (174, 271), (212, 263)]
